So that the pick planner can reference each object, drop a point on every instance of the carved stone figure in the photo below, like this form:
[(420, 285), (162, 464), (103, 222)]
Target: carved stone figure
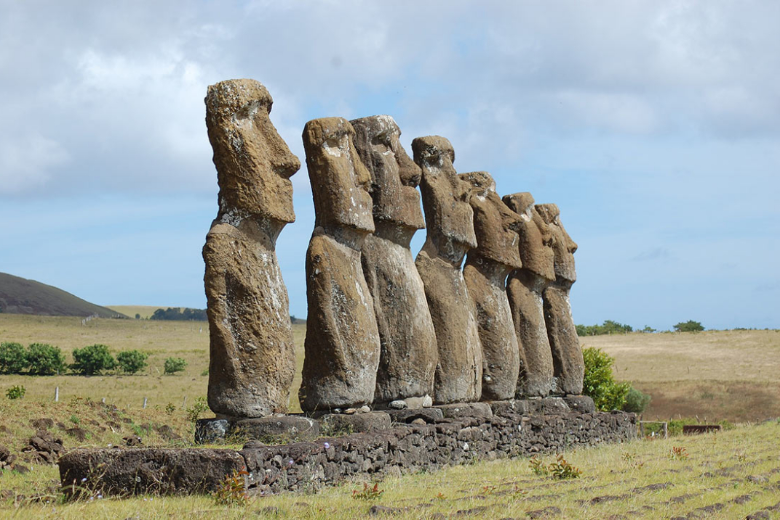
[(525, 288), (449, 218), (252, 355), (342, 340), (408, 357), (486, 270), (565, 345)]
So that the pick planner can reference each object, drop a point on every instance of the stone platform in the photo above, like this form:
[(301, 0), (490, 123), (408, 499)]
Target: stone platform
[(309, 465)]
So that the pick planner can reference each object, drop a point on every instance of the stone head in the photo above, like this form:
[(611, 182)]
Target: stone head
[(394, 176), (563, 246), (340, 183), (495, 225), (448, 214), (254, 164), (535, 237)]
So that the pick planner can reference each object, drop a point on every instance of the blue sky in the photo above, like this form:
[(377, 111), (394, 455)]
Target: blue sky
[(654, 125)]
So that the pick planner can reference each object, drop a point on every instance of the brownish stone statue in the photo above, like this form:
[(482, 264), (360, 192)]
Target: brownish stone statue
[(408, 357), (449, 218), (486, 270), (252, 355), (565, 345), (342, 341), (525, 288)]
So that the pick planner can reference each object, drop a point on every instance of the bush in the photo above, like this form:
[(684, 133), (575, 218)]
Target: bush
[(636, 401), (131, 361), (689, 326), (609, 327), (16, 392), (92, 360), (45, 360), (13, 358), (173, 365), (599, 382)]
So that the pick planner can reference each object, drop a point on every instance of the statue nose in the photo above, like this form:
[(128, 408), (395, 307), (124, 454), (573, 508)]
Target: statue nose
[(287, 165)]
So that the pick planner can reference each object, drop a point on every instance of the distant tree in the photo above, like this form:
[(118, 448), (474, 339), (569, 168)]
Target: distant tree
[(177, 314), (92, 360), (173, 365), (13, 358), (689, 326), (137, 316), (599, 383), (636, 401), (131, 361), (609, 327), (647, 329), (45, 360)]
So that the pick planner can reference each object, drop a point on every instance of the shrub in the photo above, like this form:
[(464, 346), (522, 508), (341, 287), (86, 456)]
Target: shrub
[(636, 401), (194, 411), (609, 327), (131, 361), (16, 392), (174, 364), (689, 326), (599, 382), (45, 360), (13, 358), (92, 360)]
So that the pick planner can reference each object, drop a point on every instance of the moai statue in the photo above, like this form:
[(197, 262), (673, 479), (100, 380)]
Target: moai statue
[(252, 355), (449, 218), (486, 270), (342, 340), (525, 289), (407, 363), (565, 345)]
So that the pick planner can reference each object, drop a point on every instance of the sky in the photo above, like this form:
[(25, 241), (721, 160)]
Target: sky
[(654, 125)]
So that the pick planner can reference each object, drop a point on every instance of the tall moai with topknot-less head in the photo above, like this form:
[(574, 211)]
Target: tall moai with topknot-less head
[(564, 342), (449, 219), (252, 354), (342, 341), (486, 270), (407, 363), (525, 288)]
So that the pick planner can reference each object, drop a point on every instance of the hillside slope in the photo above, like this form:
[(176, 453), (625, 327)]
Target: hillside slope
[(21, 296)]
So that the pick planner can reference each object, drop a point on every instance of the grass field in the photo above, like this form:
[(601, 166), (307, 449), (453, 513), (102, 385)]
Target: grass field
[(728, 375), (725, 475), (717, 375)]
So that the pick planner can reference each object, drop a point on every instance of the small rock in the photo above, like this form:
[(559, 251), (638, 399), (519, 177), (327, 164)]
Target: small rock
[(133, 440), (365, 409), (419, 421), (21, 469), (350, 411), (398, 404), (427, 401)]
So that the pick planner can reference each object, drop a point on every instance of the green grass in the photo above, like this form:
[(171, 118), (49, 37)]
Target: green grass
[(737, 472)]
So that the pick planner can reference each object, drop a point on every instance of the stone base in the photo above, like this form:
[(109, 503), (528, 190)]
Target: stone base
[(462, 410), (308, 466), (335, 424), (535, 406), (580, 403), (429, 415), (274, 429)]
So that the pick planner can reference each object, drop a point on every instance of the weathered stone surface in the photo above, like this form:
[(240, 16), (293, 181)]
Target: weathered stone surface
[(211, 430), (307, 466), (525, 287), (580, 403), (449, 218), (561, 331), (147, 471), (44, 448), (285, 427), (429, 415), (342, 341), (487, 267), (408, 357), (252, 356), (361, 422), (465, 410)]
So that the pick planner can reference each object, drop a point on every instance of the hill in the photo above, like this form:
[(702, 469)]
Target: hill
[(22, 296)]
